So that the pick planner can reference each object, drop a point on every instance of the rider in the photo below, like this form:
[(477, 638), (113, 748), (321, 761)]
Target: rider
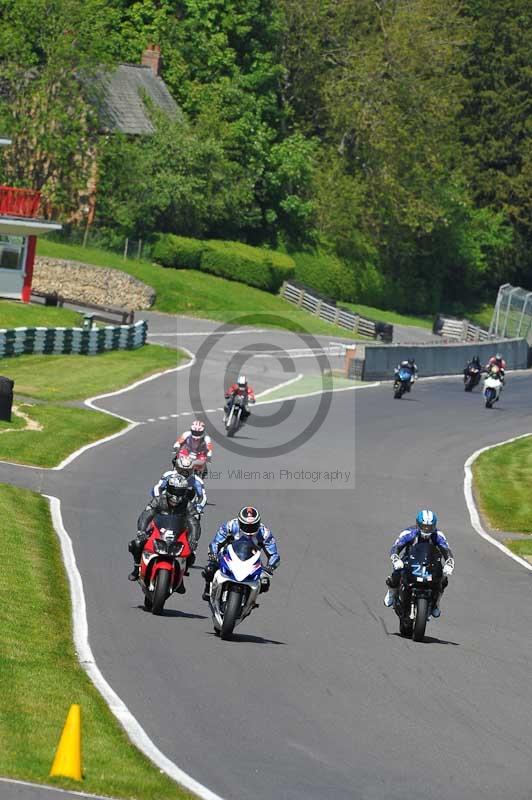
[(247, 523), (474, 363), (410, 365), (195, 440), (183, 466), (241, 389), (174, 499), (497, 361), (425, 528), (197, 496)]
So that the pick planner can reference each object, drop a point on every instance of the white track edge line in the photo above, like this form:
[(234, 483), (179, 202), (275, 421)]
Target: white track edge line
[(472, 507), (279, 386), (132, 727), (322, 391)]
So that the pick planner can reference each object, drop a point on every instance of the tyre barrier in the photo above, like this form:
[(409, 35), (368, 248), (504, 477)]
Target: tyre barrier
[(77, 341)]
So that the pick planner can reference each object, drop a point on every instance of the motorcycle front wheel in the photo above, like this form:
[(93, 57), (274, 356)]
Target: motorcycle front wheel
[(231, 614), (233, 425), (161, 591), (420, 622)]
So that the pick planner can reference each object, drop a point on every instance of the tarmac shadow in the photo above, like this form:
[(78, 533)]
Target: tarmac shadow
[(173, 612)]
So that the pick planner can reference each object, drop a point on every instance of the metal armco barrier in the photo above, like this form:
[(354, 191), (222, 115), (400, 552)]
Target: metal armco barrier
[(441, 359), (65, 341), (337, 316), (461, 330)]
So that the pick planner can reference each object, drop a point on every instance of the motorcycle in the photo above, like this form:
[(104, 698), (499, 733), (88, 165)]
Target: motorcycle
[(471, 378), (419, 588), (163, 561), (492, 390), (233, 419), (236, 585), (402, 382)]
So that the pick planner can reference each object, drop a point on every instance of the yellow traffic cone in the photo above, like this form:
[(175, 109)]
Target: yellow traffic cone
[(67, 759)]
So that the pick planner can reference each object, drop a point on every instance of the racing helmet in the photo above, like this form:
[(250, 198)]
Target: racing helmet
[(183, 465), (176, 490), (249, 520), (197, 429), (242, 381), (498, 356), (426, 522)]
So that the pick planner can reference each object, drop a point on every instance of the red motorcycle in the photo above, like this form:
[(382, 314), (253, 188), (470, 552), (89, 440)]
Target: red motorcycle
[(199, 461), (163, 561)]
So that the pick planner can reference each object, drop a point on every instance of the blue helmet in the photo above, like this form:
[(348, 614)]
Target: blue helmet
[(426, 522)]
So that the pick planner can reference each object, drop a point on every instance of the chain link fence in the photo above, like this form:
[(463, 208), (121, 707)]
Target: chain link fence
[(512, 315)]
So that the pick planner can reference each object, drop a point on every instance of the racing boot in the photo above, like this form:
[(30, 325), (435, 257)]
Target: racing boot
[(133, 576)]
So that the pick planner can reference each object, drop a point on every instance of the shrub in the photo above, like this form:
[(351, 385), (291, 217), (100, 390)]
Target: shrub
[(178, 251), (326, 274), (265, 269)]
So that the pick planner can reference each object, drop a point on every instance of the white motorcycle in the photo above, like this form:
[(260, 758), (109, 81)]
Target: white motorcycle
[(492, 389), (236, 585)]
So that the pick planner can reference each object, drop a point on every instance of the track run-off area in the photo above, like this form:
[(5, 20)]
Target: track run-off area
[(317, 697)]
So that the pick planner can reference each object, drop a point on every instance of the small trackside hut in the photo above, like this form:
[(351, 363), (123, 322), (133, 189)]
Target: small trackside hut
[(20, 224)]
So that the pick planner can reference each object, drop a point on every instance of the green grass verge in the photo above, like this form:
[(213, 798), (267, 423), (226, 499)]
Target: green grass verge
[(481, 317), (22, 315), (308, 384), (40, 675), (196, 294), (78, 377), (64, 430), (502, 478), (65, 379), (16, 422), (392, 317), (521, 547)]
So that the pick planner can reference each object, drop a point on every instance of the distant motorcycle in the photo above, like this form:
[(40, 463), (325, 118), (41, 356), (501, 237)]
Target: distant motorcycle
[(233, 419), (471, 378), (402, 382), (492, 390), (419, 588), (163, 561), (236, 585)]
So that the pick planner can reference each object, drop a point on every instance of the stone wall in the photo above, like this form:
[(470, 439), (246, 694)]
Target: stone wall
[(89, 284)]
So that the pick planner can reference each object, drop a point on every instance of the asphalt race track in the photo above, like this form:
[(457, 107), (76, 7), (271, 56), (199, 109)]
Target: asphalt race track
[(317, 697)]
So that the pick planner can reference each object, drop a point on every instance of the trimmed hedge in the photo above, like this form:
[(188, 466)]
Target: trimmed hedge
[(254, 266), (327, 275), (178, 251)]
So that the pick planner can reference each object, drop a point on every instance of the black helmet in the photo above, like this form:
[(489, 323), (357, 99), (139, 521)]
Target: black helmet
[(249, 520), (176, 490)]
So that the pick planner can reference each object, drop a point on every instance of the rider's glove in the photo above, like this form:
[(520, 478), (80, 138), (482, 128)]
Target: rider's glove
[(448, 567), (213, 558), (397, 562), (268, 570)]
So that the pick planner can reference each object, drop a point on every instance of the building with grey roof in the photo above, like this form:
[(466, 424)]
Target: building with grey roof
[(126, 92)]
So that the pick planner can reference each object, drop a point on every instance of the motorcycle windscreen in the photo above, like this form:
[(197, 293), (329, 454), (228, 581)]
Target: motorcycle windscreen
[(241, 559), (404, 375), (244, 548), (171, 522), (422, 560)]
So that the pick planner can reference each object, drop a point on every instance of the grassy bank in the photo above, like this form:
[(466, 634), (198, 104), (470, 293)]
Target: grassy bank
[(77, 377), (502, 480), (196, 294), (393, 317), (40, 675), (59, 429), (22, 315)]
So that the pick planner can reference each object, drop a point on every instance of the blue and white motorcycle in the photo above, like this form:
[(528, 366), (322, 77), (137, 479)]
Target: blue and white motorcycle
[(236, 585)]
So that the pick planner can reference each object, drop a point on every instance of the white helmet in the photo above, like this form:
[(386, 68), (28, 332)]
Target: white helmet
[(242, 380)]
